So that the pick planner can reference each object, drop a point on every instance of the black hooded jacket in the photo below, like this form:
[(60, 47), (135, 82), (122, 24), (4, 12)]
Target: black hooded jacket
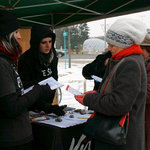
[(31, 67), (15, 128)]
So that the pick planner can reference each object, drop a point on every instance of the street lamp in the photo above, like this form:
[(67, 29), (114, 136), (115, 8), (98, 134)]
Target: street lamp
[(65, 34), (69, 47)]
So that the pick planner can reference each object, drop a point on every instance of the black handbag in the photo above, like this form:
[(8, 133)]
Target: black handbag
[(108, 129)]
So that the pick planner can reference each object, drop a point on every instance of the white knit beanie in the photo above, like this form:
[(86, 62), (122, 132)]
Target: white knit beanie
[(126, 32)]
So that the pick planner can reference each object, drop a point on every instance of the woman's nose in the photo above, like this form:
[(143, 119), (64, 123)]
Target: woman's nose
[(108, 48), (18, 36), (48, 44)]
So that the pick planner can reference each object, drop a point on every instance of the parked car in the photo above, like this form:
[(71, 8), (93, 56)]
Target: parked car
[(60, 53)]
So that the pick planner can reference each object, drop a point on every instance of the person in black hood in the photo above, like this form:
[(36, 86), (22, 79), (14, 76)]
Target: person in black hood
[(15, 127), (40, 61)]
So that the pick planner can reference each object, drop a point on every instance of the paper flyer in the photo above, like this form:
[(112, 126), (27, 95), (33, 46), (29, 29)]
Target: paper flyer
[(72, 90), (96, 78), (50, 81)]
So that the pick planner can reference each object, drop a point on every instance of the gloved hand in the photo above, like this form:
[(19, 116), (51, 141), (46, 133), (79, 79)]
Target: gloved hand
[(58, 110), (43, 91), (63, 106), (80, 98), (37, 96)]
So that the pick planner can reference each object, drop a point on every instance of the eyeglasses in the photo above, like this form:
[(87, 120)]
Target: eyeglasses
[(143, 47)]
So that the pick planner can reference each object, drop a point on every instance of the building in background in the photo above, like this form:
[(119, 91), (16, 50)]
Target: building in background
[(94, 45)]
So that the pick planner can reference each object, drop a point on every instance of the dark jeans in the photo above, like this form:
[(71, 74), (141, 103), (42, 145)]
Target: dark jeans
[(27, 146)]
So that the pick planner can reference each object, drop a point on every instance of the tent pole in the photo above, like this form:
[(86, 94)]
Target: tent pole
[(119, 7), (15, 3), (97, 13), (76, 12), (45, 4), (52, 21), (26, 20)]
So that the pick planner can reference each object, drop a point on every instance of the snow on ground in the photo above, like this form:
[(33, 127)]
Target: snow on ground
[(73, 77)]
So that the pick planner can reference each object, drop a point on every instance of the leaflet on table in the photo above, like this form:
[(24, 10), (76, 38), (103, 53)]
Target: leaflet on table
[(96, 78), (66, 121), (72, 90), (51, 82)]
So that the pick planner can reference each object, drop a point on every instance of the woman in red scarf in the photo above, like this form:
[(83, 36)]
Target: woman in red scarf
[(126, 90)]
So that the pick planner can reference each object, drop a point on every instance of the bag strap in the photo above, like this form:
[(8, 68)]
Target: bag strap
[(125, 117), (112, 72), (116, 67), (138, 66)]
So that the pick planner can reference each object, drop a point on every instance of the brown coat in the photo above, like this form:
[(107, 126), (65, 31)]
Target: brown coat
[(147, 111)]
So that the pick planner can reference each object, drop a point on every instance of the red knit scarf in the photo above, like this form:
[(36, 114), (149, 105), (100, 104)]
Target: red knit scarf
[(13, 57), (134, 49)]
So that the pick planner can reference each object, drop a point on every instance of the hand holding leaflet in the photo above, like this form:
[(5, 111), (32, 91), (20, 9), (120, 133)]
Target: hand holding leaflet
[(72, 90), (78, 95), (50, 81), (80, 98)]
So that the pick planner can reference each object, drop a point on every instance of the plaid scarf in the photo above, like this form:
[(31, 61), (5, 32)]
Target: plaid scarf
[(13, 57)]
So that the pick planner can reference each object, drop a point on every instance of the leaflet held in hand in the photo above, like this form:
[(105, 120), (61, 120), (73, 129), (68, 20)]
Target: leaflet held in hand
[(72, 90), (50, 81), (96, 78)]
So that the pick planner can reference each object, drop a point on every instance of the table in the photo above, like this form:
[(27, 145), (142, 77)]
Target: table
[(64, 135), (49, 137)]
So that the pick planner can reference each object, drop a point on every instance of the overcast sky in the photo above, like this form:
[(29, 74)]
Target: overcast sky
[(97, 27)]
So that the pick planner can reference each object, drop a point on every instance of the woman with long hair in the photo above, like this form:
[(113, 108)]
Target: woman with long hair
[(15, 127)]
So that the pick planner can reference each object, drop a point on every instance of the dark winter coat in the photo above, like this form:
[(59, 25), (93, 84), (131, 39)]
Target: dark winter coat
[(96, 68), (15, 128), (126, 92), (31, 68), (147, 111)]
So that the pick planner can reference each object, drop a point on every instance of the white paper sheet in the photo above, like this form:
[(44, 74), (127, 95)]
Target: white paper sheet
[(72, 90), (67, 121), (96, 78), (51, 82)]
